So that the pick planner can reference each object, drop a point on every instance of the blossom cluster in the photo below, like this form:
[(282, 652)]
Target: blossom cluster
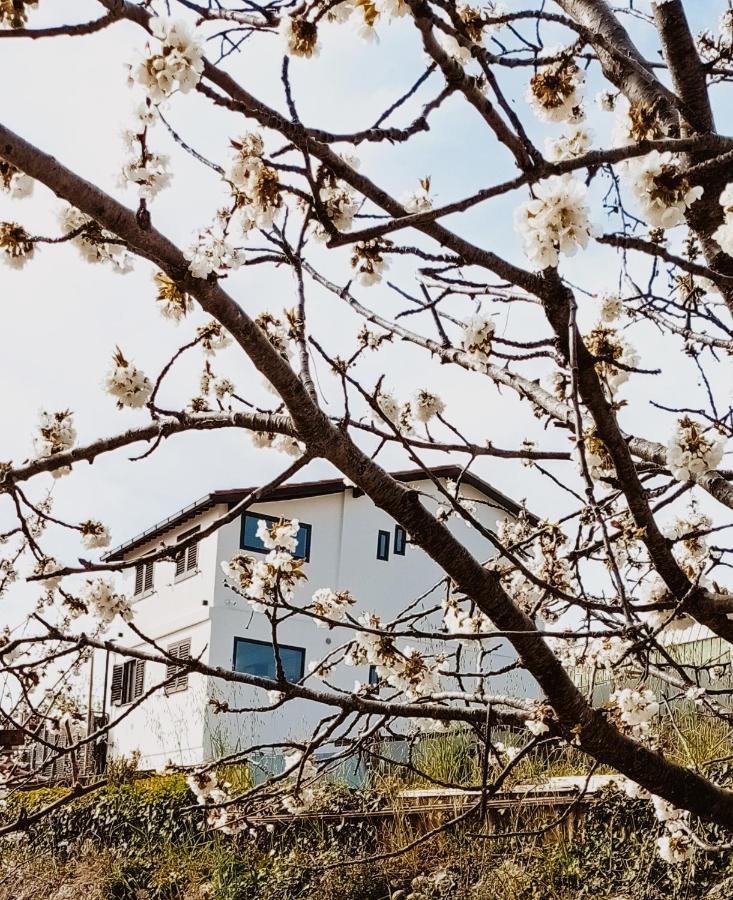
[(178, 63), (407, 669), (675, 846), (175, 304), (598, 653), (570, 145), (15, 182), (208, 792), (126, 383), (367, 259), (555, 92), (339, 201), (94, 534), (15, 244), (256, 186), (723, 234), (478, 334), (283, 443), (145, 170), (212, 254), (14, 13), (555, 221), (457, 620), (264, 581), (105, 602), (691, 451), (56, 433), (615, 356), (661, 191), (636, 709), (94, 243), (333, 605)]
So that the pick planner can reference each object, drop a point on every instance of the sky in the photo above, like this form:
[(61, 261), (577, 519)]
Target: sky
[(62, 318)]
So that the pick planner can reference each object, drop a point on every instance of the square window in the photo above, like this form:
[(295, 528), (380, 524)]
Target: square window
[(258, 658), (250, 541), (383, 539), (400, 540)]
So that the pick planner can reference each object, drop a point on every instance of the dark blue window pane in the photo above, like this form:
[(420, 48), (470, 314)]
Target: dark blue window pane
[(258, 658), (400, 540), (383, 545), (250, 541), (373, 676)]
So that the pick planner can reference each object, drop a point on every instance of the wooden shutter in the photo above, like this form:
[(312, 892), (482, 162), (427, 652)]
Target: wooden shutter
[(139, 679), (193, 557), (180, 650), (148, 581), (180, 563), (116, 690), (139, 580)]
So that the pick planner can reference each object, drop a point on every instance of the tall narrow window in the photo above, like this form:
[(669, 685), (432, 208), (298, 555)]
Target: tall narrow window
[(187, 559), (383, 545), (400, 540), (143, 577), (128, 682), (250, 541), (177, 678)]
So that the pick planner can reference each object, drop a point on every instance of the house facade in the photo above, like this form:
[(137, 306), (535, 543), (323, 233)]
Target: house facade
[(187, 608)]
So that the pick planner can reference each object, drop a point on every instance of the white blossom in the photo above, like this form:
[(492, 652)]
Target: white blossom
[(637, 709), (612, 307), (555, 221), (723, 234), (92, 241), (568, 146), (426, 406), (126, 383), (555, 92), (478, 333), (14, 182), (331, 605), (16, 245), (211, 253), (94, 535), (691, 451), (419, 200), (105, 602), (283, 443), (178, 63), (281, 535), (56, 433), (661, 192), (299, 36)]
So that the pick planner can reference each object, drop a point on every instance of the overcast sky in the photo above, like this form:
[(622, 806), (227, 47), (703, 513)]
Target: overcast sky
[(63, 318)]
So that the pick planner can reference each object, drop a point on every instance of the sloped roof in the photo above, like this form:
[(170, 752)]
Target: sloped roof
[(300, 490)]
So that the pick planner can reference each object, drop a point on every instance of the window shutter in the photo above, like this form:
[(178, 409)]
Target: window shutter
[(139, 578), (193, 557), (181, 650), (139, 679), (180, 563), (116, 690), (148, 576)]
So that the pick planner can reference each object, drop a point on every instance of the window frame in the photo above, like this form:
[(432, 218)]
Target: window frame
[(189, 556), (281, 646), (400, 546), (383, 537), (145, 571), (128, 682), (271, 520), (180, 649)]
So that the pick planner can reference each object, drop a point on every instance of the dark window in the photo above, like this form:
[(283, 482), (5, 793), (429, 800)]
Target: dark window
[(128, 682), (383, 545), (143, 577), (373, 676), (258, 658), (187, 559), (250, 541), (400, 540), (179, 650)]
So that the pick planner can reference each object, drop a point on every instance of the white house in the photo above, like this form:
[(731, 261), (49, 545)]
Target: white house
[(186, 608)]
